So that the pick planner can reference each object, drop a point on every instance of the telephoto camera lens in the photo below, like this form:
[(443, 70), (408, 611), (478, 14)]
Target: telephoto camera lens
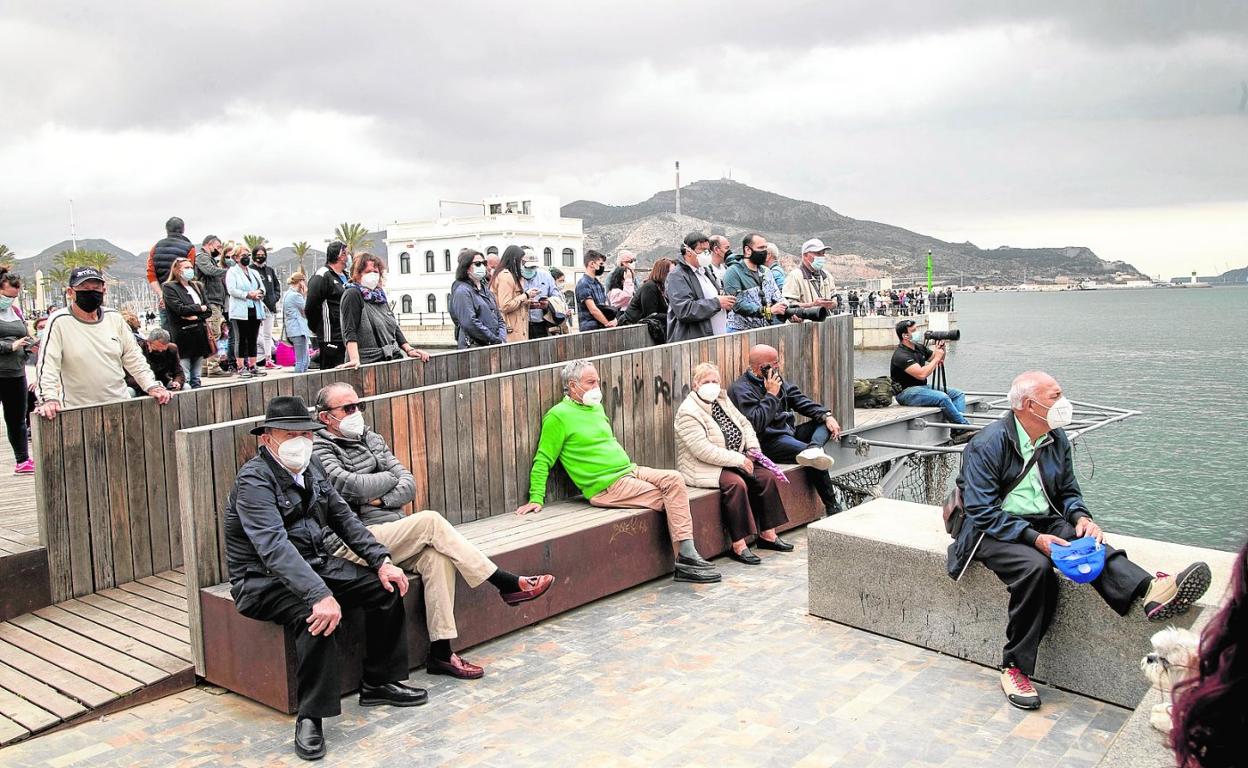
[(942, 335)]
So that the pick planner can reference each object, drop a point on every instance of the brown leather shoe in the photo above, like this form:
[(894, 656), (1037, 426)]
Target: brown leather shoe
[(536, 586), (456, 667)]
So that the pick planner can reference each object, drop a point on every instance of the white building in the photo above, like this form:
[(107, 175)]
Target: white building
[(423, 254)]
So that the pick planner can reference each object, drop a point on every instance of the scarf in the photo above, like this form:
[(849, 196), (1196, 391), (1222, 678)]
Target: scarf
[(374, 296), (758, 458)]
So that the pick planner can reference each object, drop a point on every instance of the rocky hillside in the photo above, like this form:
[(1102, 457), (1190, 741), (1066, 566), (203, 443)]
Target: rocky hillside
[(864, 248)]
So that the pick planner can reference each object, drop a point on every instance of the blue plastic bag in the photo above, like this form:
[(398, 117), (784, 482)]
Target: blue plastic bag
[(1082, 561)]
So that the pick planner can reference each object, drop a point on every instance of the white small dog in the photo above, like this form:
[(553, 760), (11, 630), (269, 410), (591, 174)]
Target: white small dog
[(1172, 661)]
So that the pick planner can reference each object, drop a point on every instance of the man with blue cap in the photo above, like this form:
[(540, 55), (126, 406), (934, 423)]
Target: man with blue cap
[(1023, 504)]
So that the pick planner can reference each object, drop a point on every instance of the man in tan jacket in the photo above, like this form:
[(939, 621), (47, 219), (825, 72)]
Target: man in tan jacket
[(808, 285)]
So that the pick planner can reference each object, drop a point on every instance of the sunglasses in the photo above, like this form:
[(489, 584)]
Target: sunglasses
[(350, 408), (478, 263)]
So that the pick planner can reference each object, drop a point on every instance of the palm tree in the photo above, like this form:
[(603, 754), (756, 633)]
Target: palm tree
[(255, 241), (100, 260), (6, 256), (354, 235), (301, 253), (67, 260), (57, 276)]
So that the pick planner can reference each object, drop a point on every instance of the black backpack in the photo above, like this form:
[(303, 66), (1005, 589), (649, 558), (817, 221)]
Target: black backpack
[(873, 393)]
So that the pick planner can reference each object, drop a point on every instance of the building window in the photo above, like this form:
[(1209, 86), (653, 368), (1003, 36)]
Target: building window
[(546, 256), (429, 264), (406, 304), (447, 256), (405, 263), (526, 207), (431, 302), (496, 209), (569, 257), (492, 250)]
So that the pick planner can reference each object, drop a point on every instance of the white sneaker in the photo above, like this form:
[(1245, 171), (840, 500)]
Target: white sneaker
[(814, 457)]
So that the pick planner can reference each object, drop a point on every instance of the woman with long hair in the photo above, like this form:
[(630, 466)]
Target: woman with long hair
[(187, 307), (622, 282), (513, 300), (246, 289), (369, 327), (650, 298), (15, 344), (1211, 708), (295, 319), (474, 311)]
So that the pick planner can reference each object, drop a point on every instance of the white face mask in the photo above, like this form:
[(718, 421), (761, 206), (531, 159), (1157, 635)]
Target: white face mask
[(1061, 413), (709, 392), (295, 454), (704, 259), (370, 280), (592, 396), (352, 426)]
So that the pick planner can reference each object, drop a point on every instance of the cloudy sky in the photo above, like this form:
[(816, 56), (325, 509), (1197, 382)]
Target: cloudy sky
[(1116, 125)]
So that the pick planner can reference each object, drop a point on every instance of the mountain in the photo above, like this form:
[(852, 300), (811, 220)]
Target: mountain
[(129, 266), (1234, 276), (864, 248)]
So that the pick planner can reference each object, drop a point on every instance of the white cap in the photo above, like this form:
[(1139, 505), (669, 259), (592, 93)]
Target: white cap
[(814, 245)]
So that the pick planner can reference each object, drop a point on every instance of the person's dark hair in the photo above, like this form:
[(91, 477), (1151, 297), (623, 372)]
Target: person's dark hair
[(9, 278), (691, 241), (903, 326), (209, 239), (747, 240), (258, 250), (555, 273), (333, 250), (513, 255), (616, 279), (592, 256), (465, 263), (363, 260), (658, 273), (175, 226), (1211, 707)]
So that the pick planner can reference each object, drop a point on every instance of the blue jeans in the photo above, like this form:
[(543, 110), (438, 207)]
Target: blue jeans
[(784, 449), (191, 367), (951, 401), (300, 343)]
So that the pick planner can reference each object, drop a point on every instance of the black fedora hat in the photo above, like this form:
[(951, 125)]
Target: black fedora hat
[(287, 413)]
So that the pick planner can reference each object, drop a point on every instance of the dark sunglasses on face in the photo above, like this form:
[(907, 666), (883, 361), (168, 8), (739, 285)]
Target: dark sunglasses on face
[(350, 408), (478, 263)]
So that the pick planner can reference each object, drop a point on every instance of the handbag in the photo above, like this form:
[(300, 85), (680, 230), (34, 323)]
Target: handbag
[(953, 510)]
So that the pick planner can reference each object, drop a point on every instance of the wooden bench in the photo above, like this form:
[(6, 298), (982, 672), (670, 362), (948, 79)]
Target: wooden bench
[(592, 552), (881, 567)]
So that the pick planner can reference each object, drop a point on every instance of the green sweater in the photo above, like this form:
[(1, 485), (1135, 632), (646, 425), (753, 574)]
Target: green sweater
[(580, 436)]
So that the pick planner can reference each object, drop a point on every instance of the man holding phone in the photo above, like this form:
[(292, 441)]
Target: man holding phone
[(770, 402), (540, 286)]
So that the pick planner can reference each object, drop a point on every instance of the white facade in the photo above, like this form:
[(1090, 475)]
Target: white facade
[(423, 254)]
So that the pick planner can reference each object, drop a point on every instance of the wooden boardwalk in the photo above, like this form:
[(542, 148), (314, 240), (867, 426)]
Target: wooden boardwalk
[(93, 655), (19, 529)]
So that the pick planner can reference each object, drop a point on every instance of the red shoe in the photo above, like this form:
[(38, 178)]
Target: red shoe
[(456, 667), (536, 587)]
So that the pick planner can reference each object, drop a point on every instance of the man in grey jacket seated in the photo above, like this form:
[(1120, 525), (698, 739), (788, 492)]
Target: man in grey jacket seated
[(369, 477)]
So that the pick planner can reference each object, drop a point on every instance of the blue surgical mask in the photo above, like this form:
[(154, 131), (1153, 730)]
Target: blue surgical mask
[(188, 275), (229, 262), (479, 272), (817, 264), (528, 273), (5, 303)]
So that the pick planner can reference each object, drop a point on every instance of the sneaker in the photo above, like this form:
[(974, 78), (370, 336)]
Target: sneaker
[(258, 372), (25, 468), (815, 458), (270, 364), (245, 374), (1169, 596), (1018, 689)]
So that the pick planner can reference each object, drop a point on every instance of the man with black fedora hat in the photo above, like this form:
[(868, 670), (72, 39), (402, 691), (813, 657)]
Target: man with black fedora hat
[(280, 570)]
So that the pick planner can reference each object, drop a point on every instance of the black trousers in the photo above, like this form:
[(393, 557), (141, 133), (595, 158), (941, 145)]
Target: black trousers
[(784, 450), (538, 330), (15, 397), (318, 658), (745, 494), (245, 341), (1032, 582), (330, 354)]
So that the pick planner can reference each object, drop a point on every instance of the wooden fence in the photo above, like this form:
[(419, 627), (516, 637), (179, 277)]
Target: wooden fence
[(470, 443), (107, 486)]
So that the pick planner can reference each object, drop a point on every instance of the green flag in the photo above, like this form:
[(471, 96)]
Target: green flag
[(929, 271)]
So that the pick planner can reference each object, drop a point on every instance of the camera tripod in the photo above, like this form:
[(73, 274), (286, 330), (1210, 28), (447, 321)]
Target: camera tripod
[(938, 379)]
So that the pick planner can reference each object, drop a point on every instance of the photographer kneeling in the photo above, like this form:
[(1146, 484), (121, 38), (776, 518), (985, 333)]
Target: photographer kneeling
[(913, 362)]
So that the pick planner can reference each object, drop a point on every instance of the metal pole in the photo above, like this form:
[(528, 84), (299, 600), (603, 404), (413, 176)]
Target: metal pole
[(73, 232)]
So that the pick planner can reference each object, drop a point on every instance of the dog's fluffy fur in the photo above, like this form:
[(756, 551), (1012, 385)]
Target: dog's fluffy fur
[(1172, 661)]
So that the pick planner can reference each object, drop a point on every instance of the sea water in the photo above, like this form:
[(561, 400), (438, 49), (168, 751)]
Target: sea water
[(1179, 472)]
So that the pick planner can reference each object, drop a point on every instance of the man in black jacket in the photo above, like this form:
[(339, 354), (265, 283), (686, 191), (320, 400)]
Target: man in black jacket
[(160, 258), (325, 289), (280, 570), (1013, 533), (769, 402)]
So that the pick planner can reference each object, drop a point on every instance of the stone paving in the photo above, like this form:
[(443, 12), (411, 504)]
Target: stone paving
[(732, 674)]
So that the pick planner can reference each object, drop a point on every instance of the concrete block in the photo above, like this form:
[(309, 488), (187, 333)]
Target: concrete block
[(881, 567)]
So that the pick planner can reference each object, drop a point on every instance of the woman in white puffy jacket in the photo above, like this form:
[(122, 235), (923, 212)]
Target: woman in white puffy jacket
[(717, 448)]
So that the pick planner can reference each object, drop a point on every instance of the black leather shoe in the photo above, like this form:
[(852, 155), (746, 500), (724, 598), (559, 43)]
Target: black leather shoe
[(779, 545), (309, 741), (394, 694), (747, 557), (696, 575), (696, 563)]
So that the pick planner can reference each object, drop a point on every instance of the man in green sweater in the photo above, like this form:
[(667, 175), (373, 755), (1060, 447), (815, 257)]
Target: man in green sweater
[(577, 433)]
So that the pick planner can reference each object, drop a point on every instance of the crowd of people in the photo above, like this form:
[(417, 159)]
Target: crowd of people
[(903, 303)]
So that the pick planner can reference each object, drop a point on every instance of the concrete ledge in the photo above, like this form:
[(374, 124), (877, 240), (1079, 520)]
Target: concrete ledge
[(881, 567)]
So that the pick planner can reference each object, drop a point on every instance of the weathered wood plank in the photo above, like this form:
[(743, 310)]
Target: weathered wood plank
[(168, 628), (155, 595), (478, 458), (135, 472), (29, 688), (88, 648), (10, 731), (450, 454), (76, 491), (119, 523), (66, 658), (157, 497), (25, 714), (62, 679), (156, 609), (174, 647), (113, 639)]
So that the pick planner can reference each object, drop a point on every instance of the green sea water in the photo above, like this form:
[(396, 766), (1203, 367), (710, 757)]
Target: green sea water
[(1177, 473)]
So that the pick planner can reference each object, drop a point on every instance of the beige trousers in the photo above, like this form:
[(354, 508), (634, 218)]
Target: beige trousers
[(424, 542), (657, 489)]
